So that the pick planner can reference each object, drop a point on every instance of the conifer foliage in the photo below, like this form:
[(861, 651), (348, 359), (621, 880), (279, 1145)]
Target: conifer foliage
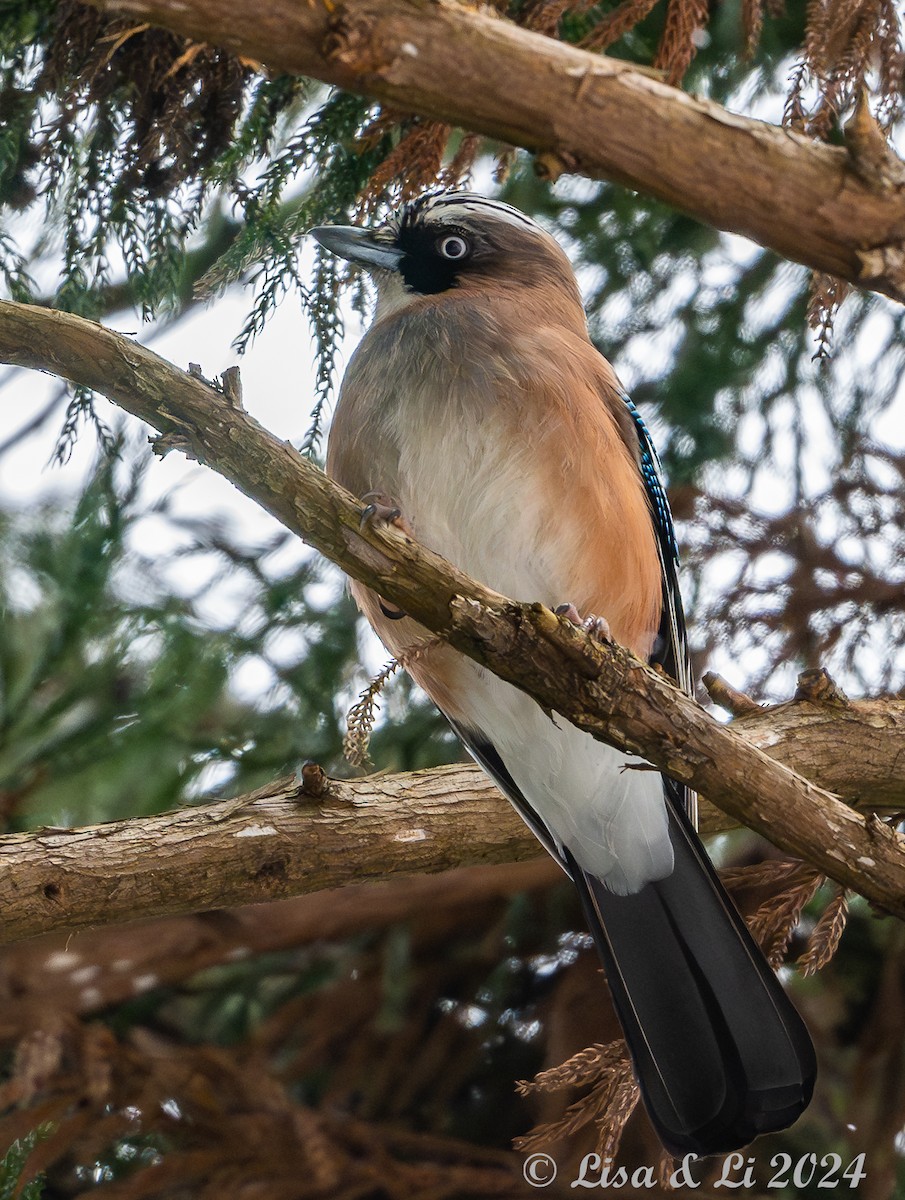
[(240, 1053)]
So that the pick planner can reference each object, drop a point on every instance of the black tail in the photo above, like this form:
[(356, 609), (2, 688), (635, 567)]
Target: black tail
[(718, 1048)]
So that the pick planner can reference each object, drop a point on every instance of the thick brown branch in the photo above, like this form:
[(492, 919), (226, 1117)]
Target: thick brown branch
[(580, 111), (274, 843), (856, 752), (603, 689), (280, 842)]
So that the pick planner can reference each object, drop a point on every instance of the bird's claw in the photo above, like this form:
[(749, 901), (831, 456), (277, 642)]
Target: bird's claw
[(392, 614), (597, 627), (378, 512), (380, 507)]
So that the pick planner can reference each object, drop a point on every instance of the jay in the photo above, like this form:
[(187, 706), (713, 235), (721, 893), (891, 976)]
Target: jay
[(477, 412)]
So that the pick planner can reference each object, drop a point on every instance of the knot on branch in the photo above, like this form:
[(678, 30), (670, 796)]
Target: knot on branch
[(819, 687), (484, 625), (363, 46), (881, 831), (165, 442), (314, 780)]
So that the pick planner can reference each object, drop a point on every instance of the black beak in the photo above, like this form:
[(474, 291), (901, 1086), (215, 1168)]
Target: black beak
[(358, 246)]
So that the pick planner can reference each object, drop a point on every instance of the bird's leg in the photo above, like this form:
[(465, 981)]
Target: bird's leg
[(381, 507), (597, 627)]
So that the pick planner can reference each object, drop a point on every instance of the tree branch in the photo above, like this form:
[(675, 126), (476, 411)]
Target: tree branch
[(604, 690), (274, 843), (580, 112), (280, 841)]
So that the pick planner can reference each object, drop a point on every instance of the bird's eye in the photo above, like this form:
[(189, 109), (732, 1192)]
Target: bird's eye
[(453, 246)]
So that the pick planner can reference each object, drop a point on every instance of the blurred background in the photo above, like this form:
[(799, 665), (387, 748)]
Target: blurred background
[(163, 641)]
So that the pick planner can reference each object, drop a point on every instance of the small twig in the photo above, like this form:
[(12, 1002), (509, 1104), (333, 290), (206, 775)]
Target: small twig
[(361, 717), (727, 697), (314, 780), (232, 386), (869, 151)]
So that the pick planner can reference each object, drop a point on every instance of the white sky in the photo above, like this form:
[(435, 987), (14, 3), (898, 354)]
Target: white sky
[(277, 375)]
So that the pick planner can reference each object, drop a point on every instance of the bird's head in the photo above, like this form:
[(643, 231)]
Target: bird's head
[(449, 241)]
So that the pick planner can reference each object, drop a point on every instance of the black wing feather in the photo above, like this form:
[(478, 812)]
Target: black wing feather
[(485, 755)]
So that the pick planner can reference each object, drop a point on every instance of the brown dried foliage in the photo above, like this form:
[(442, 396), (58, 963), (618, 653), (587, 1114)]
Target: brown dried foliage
[(826, 934), (390, 1064), (774, 922), (386, 1063), (587, 1066), (826, 293), (845, 41), (544, 16), (420, 160), (413, 165), (617, 23), (612, 1098), (231, 1127), (842, 598), (786, 886), (182, 116), (685, 21)]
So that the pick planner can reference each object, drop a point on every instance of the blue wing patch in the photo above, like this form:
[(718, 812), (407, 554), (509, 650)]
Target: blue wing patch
[(650, 471), (671, 649)]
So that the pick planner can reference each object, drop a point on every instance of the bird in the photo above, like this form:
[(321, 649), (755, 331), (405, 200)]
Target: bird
[(477, 415)]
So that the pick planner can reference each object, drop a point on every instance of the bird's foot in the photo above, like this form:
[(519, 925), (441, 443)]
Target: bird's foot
[(597, 627), (381, 507)]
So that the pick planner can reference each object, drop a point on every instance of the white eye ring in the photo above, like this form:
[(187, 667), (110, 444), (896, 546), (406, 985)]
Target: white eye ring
[(453, 247)]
